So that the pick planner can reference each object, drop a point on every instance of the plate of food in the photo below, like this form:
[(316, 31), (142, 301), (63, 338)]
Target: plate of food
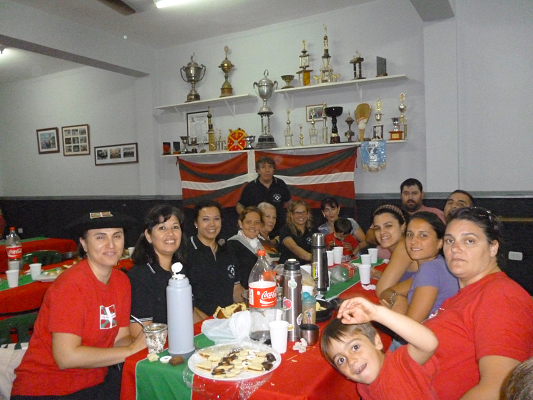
[(234, 361), (50, 276)]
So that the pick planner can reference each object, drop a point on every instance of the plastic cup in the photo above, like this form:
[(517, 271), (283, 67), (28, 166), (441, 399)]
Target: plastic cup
[(12, 277), (35, 270), (13, 265), (364, 273), (130, 251), (337, 254), (309, 332), (373, 255), (306, 268), (365, 258), (308, 289), (329, 253), (278, 335)]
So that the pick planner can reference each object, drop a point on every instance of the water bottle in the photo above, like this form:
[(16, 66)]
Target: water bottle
[(261, 298), (14, 247), (179, 314), (339, 274), (319, 263), (292, 297)]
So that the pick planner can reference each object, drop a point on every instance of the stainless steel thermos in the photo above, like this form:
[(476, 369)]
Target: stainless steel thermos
[(319, 262), (292, 297)]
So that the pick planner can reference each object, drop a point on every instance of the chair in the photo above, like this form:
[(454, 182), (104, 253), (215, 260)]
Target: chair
[(45, 257), (21, 322)]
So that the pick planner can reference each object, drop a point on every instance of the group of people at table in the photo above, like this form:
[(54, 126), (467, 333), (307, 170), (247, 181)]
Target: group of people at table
[(462, 325)]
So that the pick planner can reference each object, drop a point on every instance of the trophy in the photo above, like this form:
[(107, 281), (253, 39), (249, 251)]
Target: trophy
[(301, 135), (210, 132), (333, 113), (403, 121), (288, 130), (325, 125), (184, 140), (326, 71), (313, 133), (264, 89), (304, 73), (220, 142), (249, 140), (349, 134), (194, 73), (377, 129), (356, 61), (226, 66), (362, 115), (287, 79), (396, 133)]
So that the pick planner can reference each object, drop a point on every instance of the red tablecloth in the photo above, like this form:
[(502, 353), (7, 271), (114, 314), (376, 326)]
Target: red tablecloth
[(30, 296), (61, 245), (305, 376)]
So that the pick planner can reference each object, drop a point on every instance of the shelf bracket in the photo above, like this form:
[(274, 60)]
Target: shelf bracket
[(289, 100), (360, 91), (231, 109)]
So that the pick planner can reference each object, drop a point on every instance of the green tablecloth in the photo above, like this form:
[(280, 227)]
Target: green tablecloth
[(23, 280), (151, 386)]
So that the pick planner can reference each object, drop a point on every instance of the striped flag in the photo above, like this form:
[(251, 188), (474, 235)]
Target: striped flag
[(222, 181), (313, 177)]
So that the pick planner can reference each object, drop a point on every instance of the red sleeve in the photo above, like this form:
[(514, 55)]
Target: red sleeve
[(67, 308)]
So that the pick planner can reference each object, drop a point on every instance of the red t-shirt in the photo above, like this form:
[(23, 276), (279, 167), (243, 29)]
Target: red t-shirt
[(493, 316), (77, 303), (330, 237), (401, 377)]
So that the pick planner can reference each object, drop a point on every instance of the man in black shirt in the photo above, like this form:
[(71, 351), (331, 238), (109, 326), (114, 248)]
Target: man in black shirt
[(266, 187)]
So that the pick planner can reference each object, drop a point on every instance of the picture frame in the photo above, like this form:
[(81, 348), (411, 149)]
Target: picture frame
[(76, 140), (197, 126), (116, 154), (318, 111), (48, 140)]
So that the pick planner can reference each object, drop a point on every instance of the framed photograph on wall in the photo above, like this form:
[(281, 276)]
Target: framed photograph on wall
[(316, 110), (76, 140), (197, 126), (116, 154), (48, 140)]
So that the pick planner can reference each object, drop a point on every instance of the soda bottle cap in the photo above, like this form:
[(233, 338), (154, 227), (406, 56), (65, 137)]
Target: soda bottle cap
[(261, 253)]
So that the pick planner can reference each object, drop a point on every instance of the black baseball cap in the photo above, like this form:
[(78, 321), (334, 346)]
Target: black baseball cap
[(100, 220)]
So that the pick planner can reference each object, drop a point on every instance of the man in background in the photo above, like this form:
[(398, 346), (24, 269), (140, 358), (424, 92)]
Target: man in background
[(412, 195), (457, 199)]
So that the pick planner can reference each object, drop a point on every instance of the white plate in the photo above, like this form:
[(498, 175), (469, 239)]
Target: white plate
[(197, 358), (46, 278)]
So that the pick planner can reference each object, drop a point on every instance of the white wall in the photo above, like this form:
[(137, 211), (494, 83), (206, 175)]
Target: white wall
[(468, 98)]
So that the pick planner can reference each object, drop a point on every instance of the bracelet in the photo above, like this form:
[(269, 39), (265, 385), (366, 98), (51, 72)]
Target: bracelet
[(391, 298)]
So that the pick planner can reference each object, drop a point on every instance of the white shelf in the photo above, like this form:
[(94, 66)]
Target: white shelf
[(228, 100)]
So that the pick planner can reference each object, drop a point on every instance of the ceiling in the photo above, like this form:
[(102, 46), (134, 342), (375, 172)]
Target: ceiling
[(162, 28)]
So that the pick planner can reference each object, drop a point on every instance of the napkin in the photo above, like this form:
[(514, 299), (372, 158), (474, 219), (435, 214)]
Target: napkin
[(234, 329)]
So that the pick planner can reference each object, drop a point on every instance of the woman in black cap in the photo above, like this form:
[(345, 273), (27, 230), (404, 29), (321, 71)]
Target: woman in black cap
[(83, 325)]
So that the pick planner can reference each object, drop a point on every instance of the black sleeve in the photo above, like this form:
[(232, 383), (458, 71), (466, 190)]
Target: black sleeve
[(142, 303), (246, 196)]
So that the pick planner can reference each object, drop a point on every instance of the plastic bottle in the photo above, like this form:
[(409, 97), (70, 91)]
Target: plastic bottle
[(179, 314), (308, 308), (339, 274), (292, 298), (320, 262), (14, 246), (261, 298)]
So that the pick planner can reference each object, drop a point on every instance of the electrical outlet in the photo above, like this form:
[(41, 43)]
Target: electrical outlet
[(515, 255), (20, 230)]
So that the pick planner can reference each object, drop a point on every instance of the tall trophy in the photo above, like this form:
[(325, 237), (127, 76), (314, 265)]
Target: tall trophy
[(264, 89), (313, 132), (304, 73), (403, 121), (333, 113), (349, 134), (326, 71), (377, 129), (288, 130), (226, 66), (357, 60), (211, 140), (194, 73)]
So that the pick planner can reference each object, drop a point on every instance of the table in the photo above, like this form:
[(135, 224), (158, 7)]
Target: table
[(30, 297), (38, 243), (300, 376)]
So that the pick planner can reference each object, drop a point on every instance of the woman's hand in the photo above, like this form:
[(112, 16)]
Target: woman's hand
[(357, 310)]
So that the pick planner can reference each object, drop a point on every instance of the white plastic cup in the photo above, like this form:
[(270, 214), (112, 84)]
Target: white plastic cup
[(337, 254), (331, 262), (278, 335), (364, 273), (13, 265), (12, 277), (365, 258), (306, 268), (373, 255), (35, 270), (308, 289), (130, 251)]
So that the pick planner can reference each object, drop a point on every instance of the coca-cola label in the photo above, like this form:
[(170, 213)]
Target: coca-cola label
[(262, 294), (14, 253)]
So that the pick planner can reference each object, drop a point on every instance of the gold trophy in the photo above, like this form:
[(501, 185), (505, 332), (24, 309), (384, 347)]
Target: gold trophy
[(194, 73), (288, 130), (287, 79), (226, 67), (349, 134), (326, 71), (377, 129), (304, 73), (362, 115), (210, 132), (403, 121)]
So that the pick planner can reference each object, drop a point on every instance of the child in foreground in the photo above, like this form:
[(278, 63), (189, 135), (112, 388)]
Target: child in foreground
[(353, 347)]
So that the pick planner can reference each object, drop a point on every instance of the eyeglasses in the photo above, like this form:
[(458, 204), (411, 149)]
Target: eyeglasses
[(477, 212), (299, 212)]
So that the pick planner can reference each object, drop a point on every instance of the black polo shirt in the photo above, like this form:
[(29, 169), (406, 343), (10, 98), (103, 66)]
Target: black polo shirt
[(276, 194), (303, 240)]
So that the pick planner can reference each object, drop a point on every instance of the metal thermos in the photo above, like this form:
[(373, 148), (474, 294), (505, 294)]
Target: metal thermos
[(292, 297), (320, 262)]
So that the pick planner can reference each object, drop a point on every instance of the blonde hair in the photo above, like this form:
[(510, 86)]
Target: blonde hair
[(290, 221)]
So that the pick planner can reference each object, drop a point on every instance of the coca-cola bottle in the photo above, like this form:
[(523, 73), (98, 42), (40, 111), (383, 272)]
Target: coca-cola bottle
[(13, 246), (261, 298)]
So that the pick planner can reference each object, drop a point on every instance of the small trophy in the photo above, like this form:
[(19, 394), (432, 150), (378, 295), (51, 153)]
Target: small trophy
[(304, 73), (349, 134), (249, 140), (313, 132), (264, 89), (301, 135), (396, 133), (226, 66), (377, 129), (334, 112), (362, 115), (287, 79), (403, 121), (220, 142), (288, 130), (326, 71), (210, 132), (325, 125), (357, 61), (194, 73), (185, 141)]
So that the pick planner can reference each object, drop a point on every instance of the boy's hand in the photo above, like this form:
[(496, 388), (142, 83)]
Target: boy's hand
[(347, 246), (357, 310)]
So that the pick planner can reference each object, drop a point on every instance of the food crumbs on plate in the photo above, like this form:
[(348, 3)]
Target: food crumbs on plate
[(152, 357)]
